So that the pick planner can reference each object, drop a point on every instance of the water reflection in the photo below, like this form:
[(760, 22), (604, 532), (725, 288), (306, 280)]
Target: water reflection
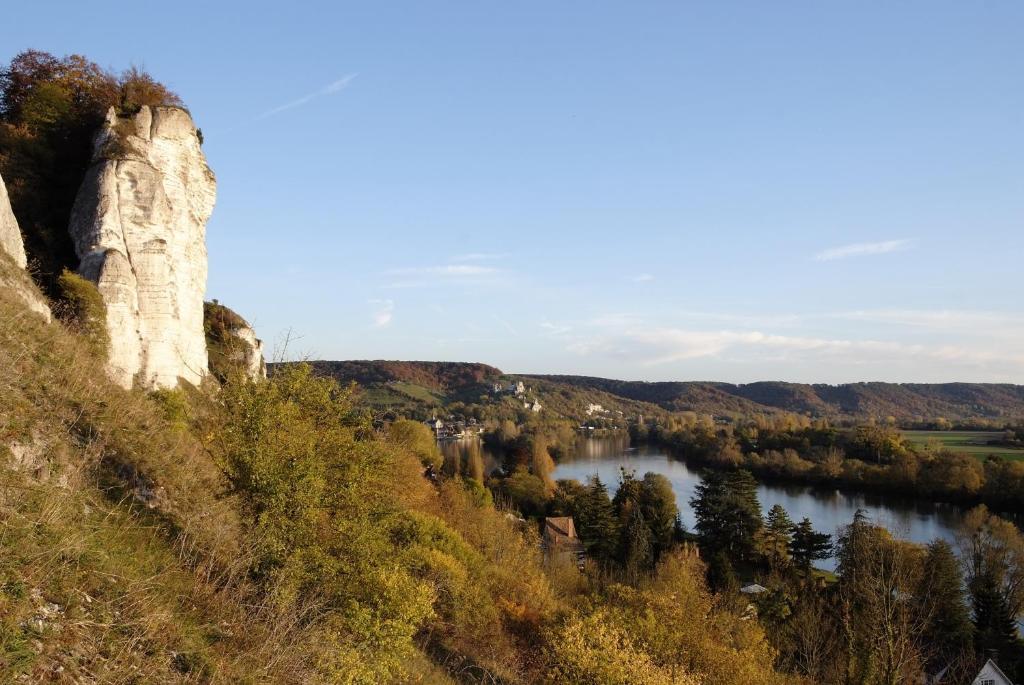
[(828, 508)]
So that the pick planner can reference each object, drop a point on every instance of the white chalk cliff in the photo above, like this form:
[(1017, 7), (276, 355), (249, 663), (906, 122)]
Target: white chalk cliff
[(14, 277), (139, 227), (253, 362)]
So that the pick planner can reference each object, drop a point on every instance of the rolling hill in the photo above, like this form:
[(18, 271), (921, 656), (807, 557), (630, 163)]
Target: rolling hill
[(905, 401)]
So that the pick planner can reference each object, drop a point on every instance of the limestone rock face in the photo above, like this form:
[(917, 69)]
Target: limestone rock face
[(232, 345), (252, 360), (139, 226), (10, 234), (12, 273)]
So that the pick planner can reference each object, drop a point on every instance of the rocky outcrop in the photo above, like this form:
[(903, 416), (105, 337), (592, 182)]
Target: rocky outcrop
[(232, 344), (253, 362), (139, 227), (12, 266)]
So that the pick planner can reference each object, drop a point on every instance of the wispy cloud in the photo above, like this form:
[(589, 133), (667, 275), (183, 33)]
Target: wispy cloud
[(479, 257), (446, 271), (383, 313), (862, 250), (505, 324), (329, 89), (657, 346), (643, 278), (555, 330), (983, 322)]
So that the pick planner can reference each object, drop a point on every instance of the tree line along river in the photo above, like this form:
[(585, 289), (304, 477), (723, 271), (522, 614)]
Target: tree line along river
[(828, 508)]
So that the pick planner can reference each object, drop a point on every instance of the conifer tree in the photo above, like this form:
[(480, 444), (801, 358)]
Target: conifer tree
[(948, 632), (595, 521), (808, 545), (637, 548), (776, 536), (728, 513)]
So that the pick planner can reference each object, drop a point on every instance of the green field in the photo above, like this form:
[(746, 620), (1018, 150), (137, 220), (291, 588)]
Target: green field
[(968, 442)]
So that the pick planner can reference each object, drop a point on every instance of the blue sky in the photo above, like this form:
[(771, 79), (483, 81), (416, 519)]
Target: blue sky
[(804, 191)]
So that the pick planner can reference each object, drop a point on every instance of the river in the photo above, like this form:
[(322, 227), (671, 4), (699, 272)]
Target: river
[(829, 509)]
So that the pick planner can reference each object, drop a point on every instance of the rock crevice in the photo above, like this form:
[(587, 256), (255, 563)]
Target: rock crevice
[(13, 260)]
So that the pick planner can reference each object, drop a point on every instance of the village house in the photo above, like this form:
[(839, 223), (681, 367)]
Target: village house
[(515, 388), (532, 406), (991, 674), (561, 542)]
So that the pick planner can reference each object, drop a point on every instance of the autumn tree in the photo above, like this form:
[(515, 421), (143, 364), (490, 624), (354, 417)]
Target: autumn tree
[(50, 109), (992, 553), (880, 624)]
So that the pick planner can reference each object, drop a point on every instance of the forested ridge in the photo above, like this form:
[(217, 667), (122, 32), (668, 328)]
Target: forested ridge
[(907, 402)]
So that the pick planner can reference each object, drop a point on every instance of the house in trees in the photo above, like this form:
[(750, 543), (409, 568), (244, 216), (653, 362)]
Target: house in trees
[(515, 388), (560, 541), (991, 674)]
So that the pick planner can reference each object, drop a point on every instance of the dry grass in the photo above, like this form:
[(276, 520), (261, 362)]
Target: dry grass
[(120, 553)]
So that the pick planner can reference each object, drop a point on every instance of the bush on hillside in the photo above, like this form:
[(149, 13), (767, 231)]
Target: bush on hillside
[(82, 309)]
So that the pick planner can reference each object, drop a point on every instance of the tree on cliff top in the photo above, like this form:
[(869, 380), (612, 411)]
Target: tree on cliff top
[(50, 108)]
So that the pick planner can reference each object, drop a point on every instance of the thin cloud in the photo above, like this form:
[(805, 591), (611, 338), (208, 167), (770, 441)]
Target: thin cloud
[(479, 257), (862, 250), (982, 321), (446, 271), (329, 89), (643, 278), (655, 346), (505, 324), (384, 312)]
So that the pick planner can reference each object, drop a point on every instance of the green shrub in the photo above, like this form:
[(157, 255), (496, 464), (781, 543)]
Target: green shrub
[(82, 309)]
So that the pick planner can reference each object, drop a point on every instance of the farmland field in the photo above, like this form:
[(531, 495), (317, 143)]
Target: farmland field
[(968, 442)]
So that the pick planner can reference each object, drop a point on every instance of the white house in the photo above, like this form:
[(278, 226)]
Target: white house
[(990, 674)]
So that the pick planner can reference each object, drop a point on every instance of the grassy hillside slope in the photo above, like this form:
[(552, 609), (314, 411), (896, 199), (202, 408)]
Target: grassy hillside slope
[(265, 533)]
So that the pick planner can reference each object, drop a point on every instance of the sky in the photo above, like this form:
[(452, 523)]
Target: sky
[(732, 191)]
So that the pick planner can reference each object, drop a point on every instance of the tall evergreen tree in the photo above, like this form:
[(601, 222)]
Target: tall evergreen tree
[(637, 548), (808, 545), (595, 521), (775, 537), (728, 513), (948, 634)]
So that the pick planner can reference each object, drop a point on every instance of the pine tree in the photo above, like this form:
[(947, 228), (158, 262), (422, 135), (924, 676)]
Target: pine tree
[(728, 514), (948, 631), (776, 536), (637, 548), (596, 522), (807, 545), (994, 623)]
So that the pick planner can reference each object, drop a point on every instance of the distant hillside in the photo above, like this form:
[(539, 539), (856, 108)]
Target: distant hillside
[(398, 384), (438, 376), (905, 401)]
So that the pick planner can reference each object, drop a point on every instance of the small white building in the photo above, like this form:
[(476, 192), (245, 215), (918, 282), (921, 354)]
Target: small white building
[(990, 674)]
